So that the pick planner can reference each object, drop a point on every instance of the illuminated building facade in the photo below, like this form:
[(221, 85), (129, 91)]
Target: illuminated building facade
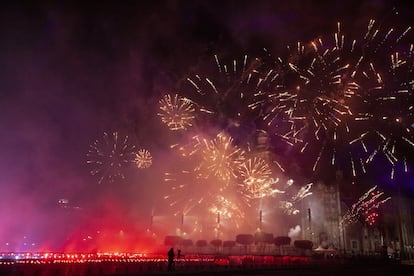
[(322, 215), (322, 223)]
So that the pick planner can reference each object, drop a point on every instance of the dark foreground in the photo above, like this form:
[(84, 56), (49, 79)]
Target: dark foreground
[(332, 270), (242, 265)]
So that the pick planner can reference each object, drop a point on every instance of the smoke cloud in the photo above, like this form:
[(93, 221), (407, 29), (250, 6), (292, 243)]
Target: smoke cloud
[(72, 71)]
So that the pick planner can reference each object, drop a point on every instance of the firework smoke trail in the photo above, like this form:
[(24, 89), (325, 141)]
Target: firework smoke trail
[(366, 205), (302, 193), (109, 156), (289, 203)]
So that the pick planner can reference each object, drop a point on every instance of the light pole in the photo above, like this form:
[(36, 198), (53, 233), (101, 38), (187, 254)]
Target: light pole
[(218, 225), (260, 219), (310, 224)]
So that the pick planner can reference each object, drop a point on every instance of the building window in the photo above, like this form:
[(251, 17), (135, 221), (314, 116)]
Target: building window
[(354, 245)]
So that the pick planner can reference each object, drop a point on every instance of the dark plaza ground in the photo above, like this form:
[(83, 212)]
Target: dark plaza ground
[(208, 265)]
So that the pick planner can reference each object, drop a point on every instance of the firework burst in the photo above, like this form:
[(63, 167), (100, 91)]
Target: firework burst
[(109, 156), (191, 193), (227, 209), (366, 208), (226, 93), (255, 174), (220, 157), (328, 98), (384, 117), (220, 179), (308, 107), (143, 159), (187, 191), (212, 166), (177, 112)]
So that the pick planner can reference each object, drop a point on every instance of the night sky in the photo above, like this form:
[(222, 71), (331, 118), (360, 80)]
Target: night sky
[(70, 71)]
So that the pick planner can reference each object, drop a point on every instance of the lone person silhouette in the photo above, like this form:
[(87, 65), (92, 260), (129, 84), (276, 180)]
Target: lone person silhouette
[(171, 259)]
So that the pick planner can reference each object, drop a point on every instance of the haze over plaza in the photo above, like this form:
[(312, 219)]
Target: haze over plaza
[(125, 122)]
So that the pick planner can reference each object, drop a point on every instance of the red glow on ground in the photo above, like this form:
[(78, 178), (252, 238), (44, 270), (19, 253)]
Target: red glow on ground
[(108, 240), (111, 229)]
